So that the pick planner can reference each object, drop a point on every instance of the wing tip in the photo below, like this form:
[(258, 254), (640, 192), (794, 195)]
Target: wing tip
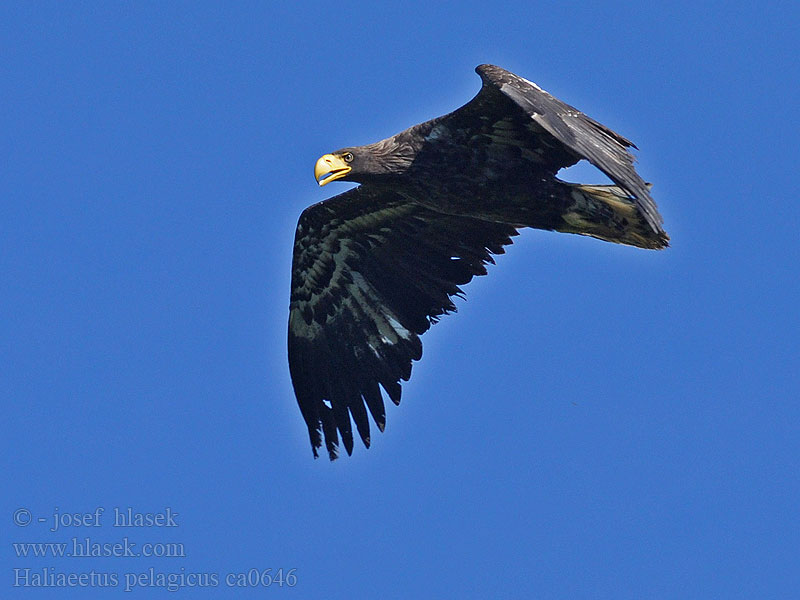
[(490, 73)]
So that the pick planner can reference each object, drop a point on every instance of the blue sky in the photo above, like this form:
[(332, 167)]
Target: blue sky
[(596, 422)]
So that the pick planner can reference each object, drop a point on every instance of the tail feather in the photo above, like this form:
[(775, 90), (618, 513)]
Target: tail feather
[(608, 213)]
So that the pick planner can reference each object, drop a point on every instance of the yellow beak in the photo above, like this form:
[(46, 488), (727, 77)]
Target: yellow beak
[(329, 168)]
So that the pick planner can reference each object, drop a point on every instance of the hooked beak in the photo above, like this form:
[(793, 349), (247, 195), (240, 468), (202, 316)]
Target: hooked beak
[(329, 168)]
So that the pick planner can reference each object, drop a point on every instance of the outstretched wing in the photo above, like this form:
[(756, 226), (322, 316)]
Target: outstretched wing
[(514, 110), (370, 274)]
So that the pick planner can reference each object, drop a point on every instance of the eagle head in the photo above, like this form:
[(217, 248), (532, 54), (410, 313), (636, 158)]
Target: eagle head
[(363, 164)]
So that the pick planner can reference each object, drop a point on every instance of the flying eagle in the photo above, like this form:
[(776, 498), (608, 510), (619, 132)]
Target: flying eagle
[(374, 267)]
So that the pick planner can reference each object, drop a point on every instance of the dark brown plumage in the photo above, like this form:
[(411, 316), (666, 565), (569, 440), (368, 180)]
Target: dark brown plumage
[(374, 267)]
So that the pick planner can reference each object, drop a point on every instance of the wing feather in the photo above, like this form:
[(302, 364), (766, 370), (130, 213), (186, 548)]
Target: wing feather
[(565, 133), (370, 274)]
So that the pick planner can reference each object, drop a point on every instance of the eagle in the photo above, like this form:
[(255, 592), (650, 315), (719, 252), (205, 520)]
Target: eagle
[(373, 268)]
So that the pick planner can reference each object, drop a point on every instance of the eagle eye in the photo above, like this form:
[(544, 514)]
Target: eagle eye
[(348, 157)]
